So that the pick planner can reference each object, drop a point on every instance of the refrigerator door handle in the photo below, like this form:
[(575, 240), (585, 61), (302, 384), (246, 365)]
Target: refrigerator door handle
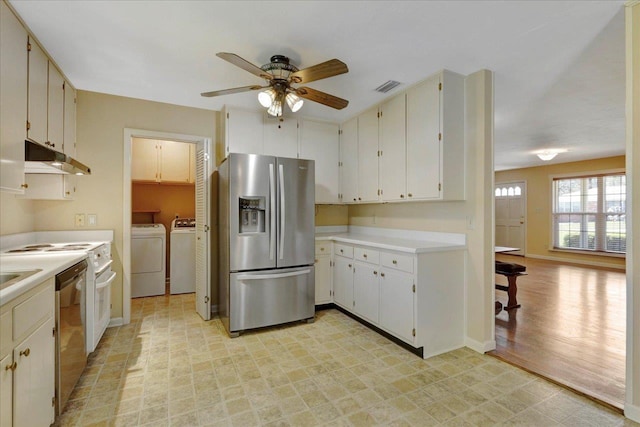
[(272, 211), (272, 276), (282, 210)]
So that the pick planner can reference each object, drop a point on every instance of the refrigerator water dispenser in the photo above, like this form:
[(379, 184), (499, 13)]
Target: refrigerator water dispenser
[(252, 215)]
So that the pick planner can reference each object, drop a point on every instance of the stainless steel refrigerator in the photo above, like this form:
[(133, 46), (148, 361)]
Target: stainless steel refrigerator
[(266, 237)]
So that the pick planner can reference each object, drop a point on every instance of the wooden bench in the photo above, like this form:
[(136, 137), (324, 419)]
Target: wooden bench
[(511, 271)]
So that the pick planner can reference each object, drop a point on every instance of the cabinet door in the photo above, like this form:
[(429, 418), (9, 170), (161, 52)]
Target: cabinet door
[(38, 91), (349, 161), (144, 160), (34, 378), (243, 132), (423, 140), (320, 141), (365, 291), (13, 100), (368, 156), (55, 109), (280, 137), (6, 391), (49, 187), (343, 282), (174, 161), (69, 120), (323, 279), (192, 163), (396, 313), (393, 167)]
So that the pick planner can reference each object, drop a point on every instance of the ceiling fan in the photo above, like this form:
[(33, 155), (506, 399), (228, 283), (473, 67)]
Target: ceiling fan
[(280, 75)]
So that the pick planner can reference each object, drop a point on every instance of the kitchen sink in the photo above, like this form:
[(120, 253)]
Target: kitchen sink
[(8, 278)]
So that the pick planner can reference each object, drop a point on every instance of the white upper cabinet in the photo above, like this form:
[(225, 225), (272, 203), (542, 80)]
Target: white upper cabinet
[(392, 161), (144, 160), (55, 109), (243, 131), (175, 158), (435, 138), (320, 141), (38, 92), (349, 161), (280, 136), (13, 100), (368, 156), (69, 120), (161, 161)]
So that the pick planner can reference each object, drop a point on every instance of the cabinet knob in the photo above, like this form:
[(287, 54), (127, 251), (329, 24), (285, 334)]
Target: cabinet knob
[(381, 274), (315, 260), (402, 196), (394, 261), (375, 273), (24, 185), (26, 352), (410, 195), (359, 198), (354, 199), (349, 265), (341, 251), (11, 367), (322, 249), (364, 255)]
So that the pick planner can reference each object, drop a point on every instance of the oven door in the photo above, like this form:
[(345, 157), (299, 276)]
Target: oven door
[(102, 305)]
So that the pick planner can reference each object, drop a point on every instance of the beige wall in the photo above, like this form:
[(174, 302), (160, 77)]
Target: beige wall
[(472, 217), (170, 200), (101, 120), (16, 215), (539, 206), (331, 215)]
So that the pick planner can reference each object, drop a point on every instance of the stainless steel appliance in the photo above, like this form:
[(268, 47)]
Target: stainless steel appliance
[(266, 230), (71, 354)]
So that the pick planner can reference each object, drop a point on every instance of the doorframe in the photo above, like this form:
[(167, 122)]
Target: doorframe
[(129, 134), (524, 211)]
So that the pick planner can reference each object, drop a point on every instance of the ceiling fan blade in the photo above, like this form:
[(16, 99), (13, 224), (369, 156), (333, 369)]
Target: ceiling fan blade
[(330, 68), (230, 91), (244, 64), (321, 97)]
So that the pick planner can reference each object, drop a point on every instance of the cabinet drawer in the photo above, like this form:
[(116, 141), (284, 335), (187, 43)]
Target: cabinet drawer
[(5, 334), (343, 250), (32, 312), (323, 248), (367, 255), (399, 262)]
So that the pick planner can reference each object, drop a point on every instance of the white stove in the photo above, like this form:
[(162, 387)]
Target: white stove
[(99, 274)]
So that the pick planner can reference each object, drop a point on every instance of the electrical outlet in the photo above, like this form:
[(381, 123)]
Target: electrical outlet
[(79, 220), (92, 219)]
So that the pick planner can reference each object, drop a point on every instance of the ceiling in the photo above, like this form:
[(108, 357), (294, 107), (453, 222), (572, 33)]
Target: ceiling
[(559, 65)]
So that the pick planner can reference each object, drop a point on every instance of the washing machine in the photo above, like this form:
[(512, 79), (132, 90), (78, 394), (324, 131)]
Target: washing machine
[(148, 259), (183, 256)]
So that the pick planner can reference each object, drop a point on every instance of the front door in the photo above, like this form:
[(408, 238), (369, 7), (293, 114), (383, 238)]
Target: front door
[(510, 215)]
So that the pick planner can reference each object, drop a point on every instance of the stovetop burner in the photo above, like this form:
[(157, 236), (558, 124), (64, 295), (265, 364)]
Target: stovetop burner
[(39, 246), (77, 245), (16, 251), (66, 248)]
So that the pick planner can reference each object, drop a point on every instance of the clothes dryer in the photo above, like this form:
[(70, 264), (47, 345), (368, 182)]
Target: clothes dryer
[(148, 255), (183, 256)]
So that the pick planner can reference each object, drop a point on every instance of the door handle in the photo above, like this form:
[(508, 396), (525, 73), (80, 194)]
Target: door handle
[(282, 209), (272, 276), (272, 211)]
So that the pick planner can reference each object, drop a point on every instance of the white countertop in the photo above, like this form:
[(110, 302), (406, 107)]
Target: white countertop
[(391, 243), (50, 264)]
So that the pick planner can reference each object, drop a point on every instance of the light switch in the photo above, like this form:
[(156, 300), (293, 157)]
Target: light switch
[(92, 219)]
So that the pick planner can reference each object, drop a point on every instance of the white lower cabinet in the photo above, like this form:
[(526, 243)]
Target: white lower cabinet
[(416, 297), (323, 273), (27, 358), (343, 282)]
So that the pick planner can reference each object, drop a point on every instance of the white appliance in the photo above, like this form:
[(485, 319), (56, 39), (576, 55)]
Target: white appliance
[(183, 256), (99, 280), (148, 265), (267, 240)]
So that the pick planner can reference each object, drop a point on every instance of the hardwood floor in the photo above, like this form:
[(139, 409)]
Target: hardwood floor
[(570, 328)]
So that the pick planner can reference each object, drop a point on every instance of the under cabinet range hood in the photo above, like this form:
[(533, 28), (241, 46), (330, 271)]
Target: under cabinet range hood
[(41, 159)]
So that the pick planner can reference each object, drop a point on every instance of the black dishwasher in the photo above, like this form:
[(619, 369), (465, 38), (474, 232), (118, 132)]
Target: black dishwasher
[(71, 354)]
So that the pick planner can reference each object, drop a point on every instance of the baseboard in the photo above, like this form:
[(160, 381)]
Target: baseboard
[(479, 346), (576, 261), (632, 412), (115, 321)]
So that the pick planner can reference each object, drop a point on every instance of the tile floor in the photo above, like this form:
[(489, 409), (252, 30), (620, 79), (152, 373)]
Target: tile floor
[(168, 367)]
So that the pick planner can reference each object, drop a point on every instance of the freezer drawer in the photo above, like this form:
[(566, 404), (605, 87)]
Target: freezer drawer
[(270, 297)]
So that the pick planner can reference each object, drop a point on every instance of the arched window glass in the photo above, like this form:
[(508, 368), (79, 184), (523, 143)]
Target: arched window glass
[(518, 191), (497, 192), (510, 191), (504, 191)]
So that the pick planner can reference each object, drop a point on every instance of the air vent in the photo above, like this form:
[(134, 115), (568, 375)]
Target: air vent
[(387, 86)]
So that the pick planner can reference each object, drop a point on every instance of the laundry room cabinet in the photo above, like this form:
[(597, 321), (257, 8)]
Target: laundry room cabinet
[(162, 161)]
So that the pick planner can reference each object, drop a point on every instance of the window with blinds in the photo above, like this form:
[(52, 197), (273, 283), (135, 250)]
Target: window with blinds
[(589, 213)]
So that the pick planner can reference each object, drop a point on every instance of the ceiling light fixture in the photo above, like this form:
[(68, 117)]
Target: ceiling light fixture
[(273, 100), (546, 155)]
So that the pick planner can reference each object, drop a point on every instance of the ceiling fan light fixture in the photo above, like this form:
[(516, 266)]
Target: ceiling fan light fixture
[(275, 109), (294, 101), (266, 97)]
